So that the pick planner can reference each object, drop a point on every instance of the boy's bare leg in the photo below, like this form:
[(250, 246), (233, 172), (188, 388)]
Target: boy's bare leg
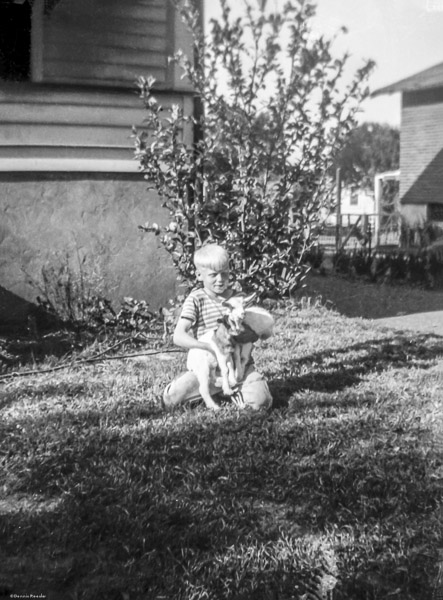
[(185, 388), (254, 390)]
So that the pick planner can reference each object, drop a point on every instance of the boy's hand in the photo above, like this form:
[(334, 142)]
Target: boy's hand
[(210, 349)]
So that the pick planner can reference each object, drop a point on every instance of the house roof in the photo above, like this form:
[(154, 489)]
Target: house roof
[(429, 78)]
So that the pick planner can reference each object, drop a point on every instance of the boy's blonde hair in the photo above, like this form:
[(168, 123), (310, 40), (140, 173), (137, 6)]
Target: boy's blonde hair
[(211, 256)]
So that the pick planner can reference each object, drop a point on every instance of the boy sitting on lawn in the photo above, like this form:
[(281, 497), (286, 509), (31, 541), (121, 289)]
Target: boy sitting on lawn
[(200, 312)]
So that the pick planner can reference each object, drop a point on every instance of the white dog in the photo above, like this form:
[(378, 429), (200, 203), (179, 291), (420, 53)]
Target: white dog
[(229, 356)]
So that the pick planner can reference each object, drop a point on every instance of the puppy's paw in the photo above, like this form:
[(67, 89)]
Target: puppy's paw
[(227, 390), (232, 380)]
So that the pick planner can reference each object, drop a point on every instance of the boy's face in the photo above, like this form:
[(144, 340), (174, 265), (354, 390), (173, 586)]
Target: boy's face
[(215, 281)]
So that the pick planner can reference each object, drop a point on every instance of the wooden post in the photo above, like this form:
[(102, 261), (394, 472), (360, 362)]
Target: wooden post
[(338, 209)]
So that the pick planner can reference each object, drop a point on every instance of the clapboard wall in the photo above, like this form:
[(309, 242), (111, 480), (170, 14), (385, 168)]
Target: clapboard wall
[(107, 42), (46, 120), (82, 98)]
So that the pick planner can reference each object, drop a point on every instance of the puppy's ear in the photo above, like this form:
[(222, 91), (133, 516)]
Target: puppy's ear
[(250, 299)]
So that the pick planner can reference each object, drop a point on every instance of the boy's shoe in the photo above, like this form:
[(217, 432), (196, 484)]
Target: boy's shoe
[(165, 399)]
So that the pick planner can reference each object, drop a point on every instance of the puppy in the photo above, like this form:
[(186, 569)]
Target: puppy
[(222, 340)]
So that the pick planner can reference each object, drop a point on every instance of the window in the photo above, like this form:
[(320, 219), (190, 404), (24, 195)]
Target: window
[(354, 198), (15, 40), (435, 212)]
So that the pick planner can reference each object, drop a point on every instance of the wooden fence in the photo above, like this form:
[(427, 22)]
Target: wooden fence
[(355, 232)]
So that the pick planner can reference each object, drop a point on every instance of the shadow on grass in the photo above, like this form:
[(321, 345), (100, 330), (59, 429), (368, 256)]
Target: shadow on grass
[(227, 504), (334, 370)]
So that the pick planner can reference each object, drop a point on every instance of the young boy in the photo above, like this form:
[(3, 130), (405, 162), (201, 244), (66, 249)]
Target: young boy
[(200, 312)]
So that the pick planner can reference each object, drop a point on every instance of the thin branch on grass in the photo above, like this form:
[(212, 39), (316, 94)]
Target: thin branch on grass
[(119, 343), (85, 361)]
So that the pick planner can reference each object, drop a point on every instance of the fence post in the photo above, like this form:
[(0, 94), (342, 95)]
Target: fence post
[(338, 209)]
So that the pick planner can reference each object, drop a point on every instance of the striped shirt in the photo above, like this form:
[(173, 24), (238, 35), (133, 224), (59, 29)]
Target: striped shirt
[(203, 311)]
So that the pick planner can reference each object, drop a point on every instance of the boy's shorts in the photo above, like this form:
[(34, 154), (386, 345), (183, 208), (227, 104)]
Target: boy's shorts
[(253, 389)]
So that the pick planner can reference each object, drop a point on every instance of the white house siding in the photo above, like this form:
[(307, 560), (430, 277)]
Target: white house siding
[(42, 120), (364, 206)]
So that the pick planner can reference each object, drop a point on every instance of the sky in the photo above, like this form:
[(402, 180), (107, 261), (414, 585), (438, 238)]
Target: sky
[(404, 37)]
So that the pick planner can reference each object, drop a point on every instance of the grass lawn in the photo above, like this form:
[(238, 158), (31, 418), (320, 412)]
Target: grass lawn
[(339, 487), (359, 298)]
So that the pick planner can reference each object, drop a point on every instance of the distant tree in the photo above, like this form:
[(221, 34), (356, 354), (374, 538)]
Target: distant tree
[(371, 148)]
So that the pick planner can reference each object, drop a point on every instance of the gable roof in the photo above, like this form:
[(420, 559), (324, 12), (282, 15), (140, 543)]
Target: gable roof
[(429, 78)]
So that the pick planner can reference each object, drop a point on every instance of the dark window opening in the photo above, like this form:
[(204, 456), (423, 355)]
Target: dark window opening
[(435, 212), (15, 40)]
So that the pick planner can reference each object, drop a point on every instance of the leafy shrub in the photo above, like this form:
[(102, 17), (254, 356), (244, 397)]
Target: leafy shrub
[(255, 177), (315, 256), (72, 296), (422, 269), (69, 288), (419, 237)]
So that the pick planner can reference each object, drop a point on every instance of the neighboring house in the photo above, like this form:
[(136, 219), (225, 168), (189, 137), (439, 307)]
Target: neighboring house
[(371, 211), (356, 202), (357, 207), (421, 145), (70, 190)]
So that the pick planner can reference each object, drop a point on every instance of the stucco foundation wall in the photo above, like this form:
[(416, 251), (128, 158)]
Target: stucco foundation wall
[(89, 221)]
